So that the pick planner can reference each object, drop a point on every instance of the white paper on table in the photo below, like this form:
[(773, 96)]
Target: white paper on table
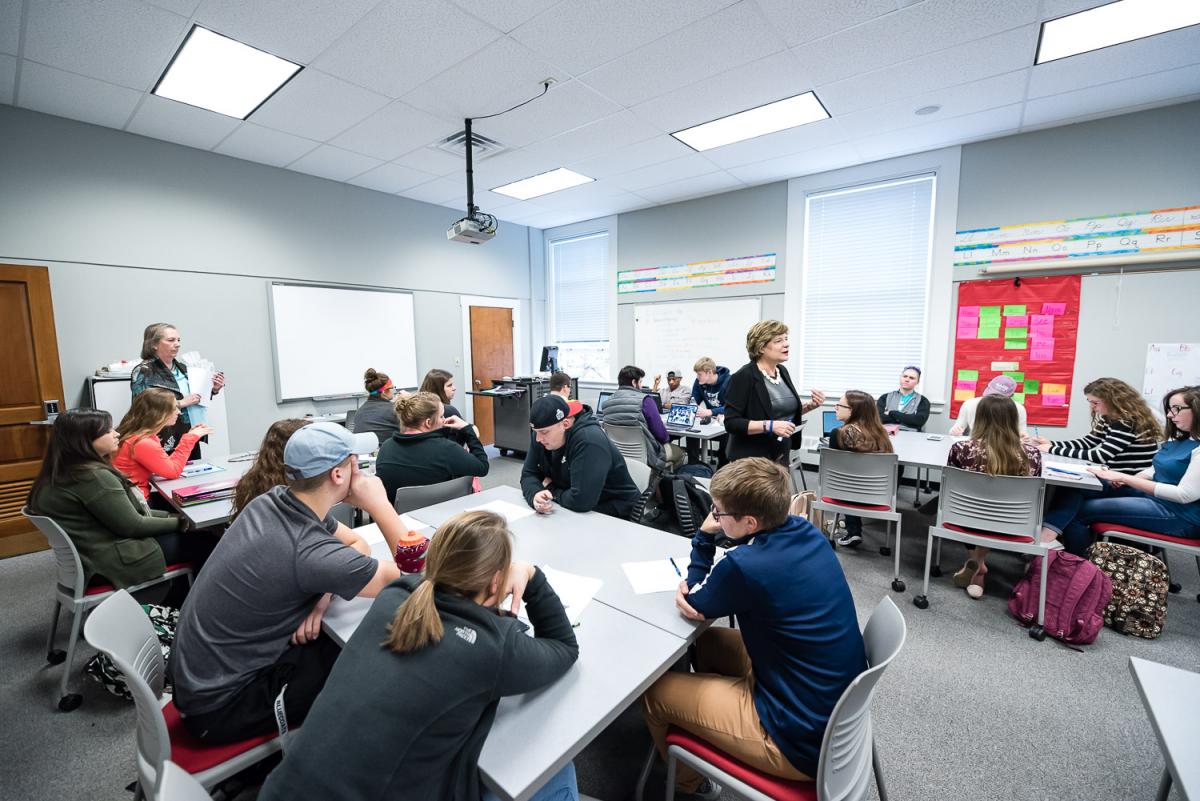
[(200, 379), (412, 523), (575, 592), (1067, 470), (509, 511), (656, 575)]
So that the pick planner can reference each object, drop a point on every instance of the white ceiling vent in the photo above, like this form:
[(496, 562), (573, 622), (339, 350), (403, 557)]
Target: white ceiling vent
[(481, 145)]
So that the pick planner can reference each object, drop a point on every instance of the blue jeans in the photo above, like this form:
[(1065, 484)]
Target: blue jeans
[(1074, 511), (559, 787)]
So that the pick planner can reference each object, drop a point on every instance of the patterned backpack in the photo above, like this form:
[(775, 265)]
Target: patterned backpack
[(165, 620), (1139, 599)]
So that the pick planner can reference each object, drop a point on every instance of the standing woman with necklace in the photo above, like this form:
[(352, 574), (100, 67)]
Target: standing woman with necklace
[(159, 368), (763, 411)]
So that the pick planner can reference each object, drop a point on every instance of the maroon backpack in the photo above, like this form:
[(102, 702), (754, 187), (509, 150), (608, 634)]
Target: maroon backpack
[(1076, 593)]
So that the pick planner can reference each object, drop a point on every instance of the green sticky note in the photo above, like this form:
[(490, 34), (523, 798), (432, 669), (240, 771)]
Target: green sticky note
[(968, 375), (989, 312), (988, 331), (1015, 344), (1013, 310), (1018, 397), (1031, 387), (1016, 333), (1015, 376)]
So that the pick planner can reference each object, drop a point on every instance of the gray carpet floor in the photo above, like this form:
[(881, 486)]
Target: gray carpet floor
[(972, 708)]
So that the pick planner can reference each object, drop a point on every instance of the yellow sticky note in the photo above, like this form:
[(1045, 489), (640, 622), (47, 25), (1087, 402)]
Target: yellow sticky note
[(963, 394), (1054, 389)]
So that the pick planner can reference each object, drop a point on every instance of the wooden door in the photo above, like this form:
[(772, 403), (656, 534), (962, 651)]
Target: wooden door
[(491, 359), (29, 376)]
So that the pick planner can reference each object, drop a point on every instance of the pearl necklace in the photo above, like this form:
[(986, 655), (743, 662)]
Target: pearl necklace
[(775, 379)]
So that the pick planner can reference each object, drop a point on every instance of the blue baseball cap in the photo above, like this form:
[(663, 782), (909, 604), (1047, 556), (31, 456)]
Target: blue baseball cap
[(319, 447)]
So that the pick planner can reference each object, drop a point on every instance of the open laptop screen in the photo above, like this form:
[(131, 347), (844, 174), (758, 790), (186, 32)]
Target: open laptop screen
[(829, 422), (681, 415), (604, 396)]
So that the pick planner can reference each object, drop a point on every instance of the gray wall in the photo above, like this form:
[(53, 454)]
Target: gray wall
[(136, 230)]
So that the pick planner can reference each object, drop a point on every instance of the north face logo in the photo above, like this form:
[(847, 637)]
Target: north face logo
[(467, 634)]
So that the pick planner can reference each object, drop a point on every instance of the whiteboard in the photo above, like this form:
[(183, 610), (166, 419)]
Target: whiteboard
[(672, 336), (1169, 365), (325, 337)]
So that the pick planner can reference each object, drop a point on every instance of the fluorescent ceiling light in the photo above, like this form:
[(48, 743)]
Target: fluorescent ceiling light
[(220, 74), (543, 184), (1113, 24), (787, 113)]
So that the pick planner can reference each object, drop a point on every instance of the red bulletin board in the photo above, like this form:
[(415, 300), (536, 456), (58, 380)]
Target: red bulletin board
[(1023, 328)]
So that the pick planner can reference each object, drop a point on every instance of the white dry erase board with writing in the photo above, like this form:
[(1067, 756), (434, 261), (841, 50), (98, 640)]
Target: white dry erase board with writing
[(1169, 365), (672, 336), (325, 337)]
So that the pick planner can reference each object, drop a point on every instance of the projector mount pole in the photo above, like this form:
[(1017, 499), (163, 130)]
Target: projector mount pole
[(470, 170)]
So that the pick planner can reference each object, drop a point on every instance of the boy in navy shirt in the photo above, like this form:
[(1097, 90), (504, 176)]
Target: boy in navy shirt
[(762, 693)]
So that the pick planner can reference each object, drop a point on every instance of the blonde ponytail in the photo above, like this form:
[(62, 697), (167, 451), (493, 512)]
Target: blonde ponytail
[(417, 622)]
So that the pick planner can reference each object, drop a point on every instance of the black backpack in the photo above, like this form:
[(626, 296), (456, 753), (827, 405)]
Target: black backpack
[(673, 502)]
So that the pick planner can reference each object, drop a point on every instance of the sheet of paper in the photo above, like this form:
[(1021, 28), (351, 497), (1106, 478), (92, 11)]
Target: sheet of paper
[(656, 575), (1000, 367), (1041, 350), (1038, 330), (968, 331), (412, 523), (1063, 470), (968, 311), (199, 469), (200, 379), (509, 511), (575, 592)]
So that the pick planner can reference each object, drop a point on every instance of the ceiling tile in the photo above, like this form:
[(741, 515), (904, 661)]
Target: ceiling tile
[(394, 131), (264, 145), (675, 170), (691, 187), (66, 94), (972, 61), (911, 32), (725, 40), (983, 125), (764, 81), (10, 27), (434, 162), (632, 157), (1002, 90), (317, 106), (797, 164), (512, 166), (184, 8), (391, 178), (8, 77), (119, 41), (333, 163), (1053, 9), (507, 15), (822, 133), (614, 131), (297, 30), (180, 123), (566, 106), (485, 201), (578, 35), (440, 191), (1114, 97), (403, 43), (800, 21), (1141, 57)]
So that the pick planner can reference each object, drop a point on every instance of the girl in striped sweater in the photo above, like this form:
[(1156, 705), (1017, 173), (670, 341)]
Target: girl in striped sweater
[(1124, 435)]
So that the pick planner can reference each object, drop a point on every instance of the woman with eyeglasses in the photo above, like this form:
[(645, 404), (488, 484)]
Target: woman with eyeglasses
[(1124, 435), (1163, 498), (861, 431)]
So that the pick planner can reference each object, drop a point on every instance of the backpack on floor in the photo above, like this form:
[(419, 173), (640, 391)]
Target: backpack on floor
[(1139, 582), (1076, 593), (100, 667), (802, 506), (673, 502)]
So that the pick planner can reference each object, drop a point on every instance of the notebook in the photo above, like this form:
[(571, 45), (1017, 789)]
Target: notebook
[(203, 493)]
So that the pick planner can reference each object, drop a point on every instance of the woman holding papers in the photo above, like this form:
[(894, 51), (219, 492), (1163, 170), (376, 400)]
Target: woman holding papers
[(1163, 498), (411, 699), (420, 454), (1124, 435), (140, 454), (159, 368)]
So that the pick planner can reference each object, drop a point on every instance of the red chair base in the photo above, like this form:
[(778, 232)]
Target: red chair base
[(195, 756), (870, 507), (775, 787), (1102, 529), (100, 589), (977, 532)]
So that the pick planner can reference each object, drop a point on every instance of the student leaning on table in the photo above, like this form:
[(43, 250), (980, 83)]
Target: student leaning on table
[(420, 453), (249, 625), (1124, 435), (141, 454), (407, 709), (160, 345), (763, 692), (1001, 385)]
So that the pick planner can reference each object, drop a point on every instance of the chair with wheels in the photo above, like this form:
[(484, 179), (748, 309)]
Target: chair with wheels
[(863, 485), (179, 785), (71, 591), (630, 441), (120, 628), (1191, 547), (409, 498), (848, 753), (1003, 513)]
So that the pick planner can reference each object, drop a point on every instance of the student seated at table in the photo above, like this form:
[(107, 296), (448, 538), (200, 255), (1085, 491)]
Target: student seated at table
[(708, 393), (1163, 498), (905, 406), (120, 541), (419, 454), (762, 692), (1001, 385), (441, 383), (377, 415), (140, 454), (1124, 435), (675, 392), (629, 406), (252, 622), (560, 385), (572, 462), (861, 432), (995, 448), (407, 709)]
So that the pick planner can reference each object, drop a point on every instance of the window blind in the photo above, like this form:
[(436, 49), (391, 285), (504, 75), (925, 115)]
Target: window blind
[(579, 270), (867, 258)]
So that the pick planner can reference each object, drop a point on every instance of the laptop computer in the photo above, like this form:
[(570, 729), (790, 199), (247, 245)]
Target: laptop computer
[(681, 417), (829, 422), (600, 401)]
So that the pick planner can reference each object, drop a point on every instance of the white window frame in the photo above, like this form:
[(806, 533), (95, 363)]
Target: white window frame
[(601, 225)]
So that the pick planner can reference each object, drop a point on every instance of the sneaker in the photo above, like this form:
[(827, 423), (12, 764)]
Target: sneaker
[(849, 540), (707, 791)]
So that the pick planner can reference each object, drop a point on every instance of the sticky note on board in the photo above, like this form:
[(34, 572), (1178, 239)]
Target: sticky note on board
[(1015, 375), (1041, 319), (1013, 310), (963, 394), (989, 313), (1031, 387), (968, 375), (966, 385), (968, 311), (1054, 308), (1016, 333), (967, 331), (1015, 344), (1019, 397), (1046, 331), (1000, 367), (1054, 400), (1054, 389), (1017, 320), (1042, 350)]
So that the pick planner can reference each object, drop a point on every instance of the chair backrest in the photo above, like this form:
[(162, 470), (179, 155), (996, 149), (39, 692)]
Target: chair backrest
[(179, 785), (120, 628), (343, 513), (639, 472), (866, 478), (409, 498), (999, 504), (349, 421), (630, 441), (844, 768), (66, 557)]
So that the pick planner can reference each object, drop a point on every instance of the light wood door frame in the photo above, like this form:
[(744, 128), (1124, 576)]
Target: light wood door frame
[(520, 356)]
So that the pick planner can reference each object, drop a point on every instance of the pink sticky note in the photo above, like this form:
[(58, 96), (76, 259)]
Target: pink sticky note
[(1054, 308), (1016, 320), (968, 331), (1041, 350), (1041, 319), (1054, 400), (1045, 331), (965, 385), (968, 311)]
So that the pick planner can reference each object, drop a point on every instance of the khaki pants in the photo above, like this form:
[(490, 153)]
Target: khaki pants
[(674, 456), (716, 704)]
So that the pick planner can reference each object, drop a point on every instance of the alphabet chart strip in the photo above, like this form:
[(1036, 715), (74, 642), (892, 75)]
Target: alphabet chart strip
[(697, 275)]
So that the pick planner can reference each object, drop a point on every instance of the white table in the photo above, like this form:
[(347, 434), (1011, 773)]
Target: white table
[(1172, 700), (703, 433), (213, 513)]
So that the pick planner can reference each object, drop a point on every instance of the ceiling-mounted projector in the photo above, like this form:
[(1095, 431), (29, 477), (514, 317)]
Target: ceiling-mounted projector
[(472, 230)]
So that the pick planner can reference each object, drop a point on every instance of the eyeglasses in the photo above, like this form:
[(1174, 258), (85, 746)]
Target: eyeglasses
[(718, 515), (1174, 410), (841, 406)]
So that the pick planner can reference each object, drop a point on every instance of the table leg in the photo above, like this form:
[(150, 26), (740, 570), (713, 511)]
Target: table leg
[(1164, 786)]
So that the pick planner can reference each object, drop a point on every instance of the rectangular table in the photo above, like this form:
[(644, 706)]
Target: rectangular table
[(213, 513), (1172, 698), (703, 432)]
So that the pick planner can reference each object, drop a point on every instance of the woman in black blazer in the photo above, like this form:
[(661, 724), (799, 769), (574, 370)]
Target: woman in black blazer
[(763, 412)]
